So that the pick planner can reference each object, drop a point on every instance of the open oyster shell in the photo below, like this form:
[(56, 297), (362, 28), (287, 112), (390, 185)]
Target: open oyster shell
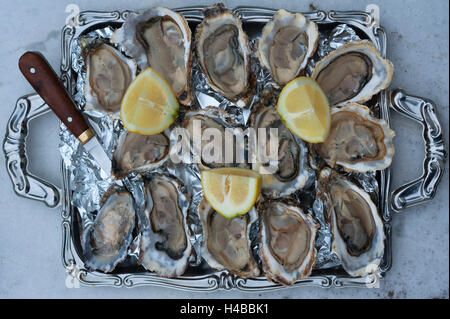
[(105, 242), (357, 141), (287, 42), (291, 172), (224, 54), (109, 73), (217, 118), (164, 245), (353, 73), (287, 238), (138, 153), (357, 229), (226, 242), (160, 38)]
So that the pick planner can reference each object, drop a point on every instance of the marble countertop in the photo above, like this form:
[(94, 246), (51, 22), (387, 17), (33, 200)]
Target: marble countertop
[(30, 233)]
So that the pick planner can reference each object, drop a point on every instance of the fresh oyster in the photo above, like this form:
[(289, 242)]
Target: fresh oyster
[(287, 238), (357, 141), (136, 152), (357, 229), (226, 242), (287, 42), (105, 242), (165, 246), (160, 38), (211, 117), (353, 73), (223, 54), (291, 171), (109, 74)]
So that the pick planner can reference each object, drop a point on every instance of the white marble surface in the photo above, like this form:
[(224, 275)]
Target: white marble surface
[(30, 233)]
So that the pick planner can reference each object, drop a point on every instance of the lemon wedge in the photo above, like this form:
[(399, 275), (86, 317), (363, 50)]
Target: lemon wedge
[(231, 191), (149, 105), (304, 109)]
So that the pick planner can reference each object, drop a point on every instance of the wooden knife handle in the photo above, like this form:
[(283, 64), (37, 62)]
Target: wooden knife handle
[(44, 80)]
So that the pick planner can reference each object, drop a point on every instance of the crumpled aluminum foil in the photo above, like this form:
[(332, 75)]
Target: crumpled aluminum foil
[(87, 186), (336, 39)]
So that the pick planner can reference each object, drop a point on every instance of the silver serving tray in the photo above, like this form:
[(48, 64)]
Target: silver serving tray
[(418, 191)]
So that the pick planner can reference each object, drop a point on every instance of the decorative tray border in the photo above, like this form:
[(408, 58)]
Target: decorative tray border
[(220, 279)]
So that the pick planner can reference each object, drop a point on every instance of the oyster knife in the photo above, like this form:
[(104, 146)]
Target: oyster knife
[(44, 80)]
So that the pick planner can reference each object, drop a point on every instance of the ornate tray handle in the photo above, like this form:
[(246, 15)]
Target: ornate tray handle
[(423, 188), (26, 184)]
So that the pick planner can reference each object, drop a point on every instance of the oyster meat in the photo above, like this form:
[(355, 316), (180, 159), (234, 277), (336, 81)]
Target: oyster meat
[(165, 246), (357, 229), (105, 241), (291, 171), (223, 54), (226, 242), (357, 141), (287, 238), (287, 42), (136, 152), (353, 73), (160, 38), (212, 118), (109, 74)]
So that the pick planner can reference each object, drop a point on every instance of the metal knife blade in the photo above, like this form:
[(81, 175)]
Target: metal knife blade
[(97, 152)]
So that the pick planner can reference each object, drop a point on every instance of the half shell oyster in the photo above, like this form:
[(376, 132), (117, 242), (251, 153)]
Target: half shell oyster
[(136, 152), (160, 38), (287, 239), (357, 229), (165, 246), (353, 73), (287, 42), (208, 118), (291, 172), (108, 76), (226, 242), (223, 54), (105, 242), (357, 141)]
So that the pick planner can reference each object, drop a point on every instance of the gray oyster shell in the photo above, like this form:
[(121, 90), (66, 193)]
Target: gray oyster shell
[(108, 75), (212, 117), (226, 242), (287, 241), (287, 42), (357, 141), (291, 172), (356, 226), (353, 73), (160, 38), (165, 246), (105, 241), (224, 54), (138, 153)]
